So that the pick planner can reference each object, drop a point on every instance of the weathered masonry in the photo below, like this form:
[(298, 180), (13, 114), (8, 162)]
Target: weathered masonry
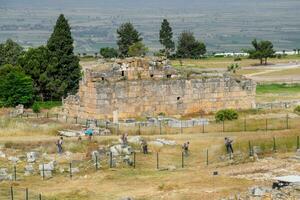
[(147, 87)]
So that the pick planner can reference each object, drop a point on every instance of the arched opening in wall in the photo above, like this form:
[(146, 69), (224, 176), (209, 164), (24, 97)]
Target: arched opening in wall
[(123, 74), (151, 75), (102, 78), (178, 98), (169, 75)]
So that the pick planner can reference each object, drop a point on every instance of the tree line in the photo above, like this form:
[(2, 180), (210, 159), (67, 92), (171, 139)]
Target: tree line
[(130, 43), (52, 71), (47, 72)]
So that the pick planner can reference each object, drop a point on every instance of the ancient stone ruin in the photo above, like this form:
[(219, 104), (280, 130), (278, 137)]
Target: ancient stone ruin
[(136, 87)]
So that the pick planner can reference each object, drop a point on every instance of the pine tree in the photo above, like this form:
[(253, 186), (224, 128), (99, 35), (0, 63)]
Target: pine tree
[(10, 52), (166, 37), (127, 36), (66, 71), (189, 47)]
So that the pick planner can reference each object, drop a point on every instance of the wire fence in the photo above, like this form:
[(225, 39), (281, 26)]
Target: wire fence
[(163, 126), (155, 160)]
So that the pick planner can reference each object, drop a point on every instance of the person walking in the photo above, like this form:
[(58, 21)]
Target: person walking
[(185, 148), (59, 144), (228, 145), (145, 147)]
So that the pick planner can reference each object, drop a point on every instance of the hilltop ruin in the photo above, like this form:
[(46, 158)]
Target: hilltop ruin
[(135, 87)]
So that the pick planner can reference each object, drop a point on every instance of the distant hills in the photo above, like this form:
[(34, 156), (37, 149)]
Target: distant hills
[(224, 25)]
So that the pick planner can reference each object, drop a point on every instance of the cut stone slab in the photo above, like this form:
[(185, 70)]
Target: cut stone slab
[(29, 170), (32, 157), (2, 155), (4, 175), (13, 159)]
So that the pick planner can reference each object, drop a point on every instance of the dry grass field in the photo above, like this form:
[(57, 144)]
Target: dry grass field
[(194, 181)]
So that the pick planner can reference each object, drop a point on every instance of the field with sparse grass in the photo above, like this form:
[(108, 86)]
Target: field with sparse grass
[(144, 182)]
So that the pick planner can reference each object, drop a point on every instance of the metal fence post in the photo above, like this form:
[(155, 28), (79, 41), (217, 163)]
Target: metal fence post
[(157, 161), (11, 193), (43, 168), (182, 159), (202, 127), (139, 128), (266, 124), (287, 121), (160, 128), (40, 196), (76, 120), (71, 170), (274, 144), (26, 194), (110, 159), (134, 157), (245, 125), (96, 157), (15, 173), (250, 149), (207, 157), (298, 142), (181, 127)]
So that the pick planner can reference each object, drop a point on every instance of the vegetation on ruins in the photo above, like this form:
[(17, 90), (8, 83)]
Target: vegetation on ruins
[(262, 50), (127, 36), (166, 37), (297, 109), (15, 87), (9, 52), (137, 49), (233, 68), (36, 108), (189, 47), (226, 114), (108, 52), (65, 71)]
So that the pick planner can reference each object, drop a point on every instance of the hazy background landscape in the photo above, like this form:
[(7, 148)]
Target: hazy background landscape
[(224, 25)]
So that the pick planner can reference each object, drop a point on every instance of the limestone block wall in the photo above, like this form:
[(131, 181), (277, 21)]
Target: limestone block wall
[(181, 96)]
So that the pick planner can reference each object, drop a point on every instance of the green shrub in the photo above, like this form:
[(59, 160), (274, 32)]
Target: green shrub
[(297, 110), (15, 87), (226, 114), (36, 107), (237, 59)]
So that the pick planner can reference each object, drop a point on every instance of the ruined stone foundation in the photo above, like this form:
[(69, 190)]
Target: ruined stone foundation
[(134, 88)]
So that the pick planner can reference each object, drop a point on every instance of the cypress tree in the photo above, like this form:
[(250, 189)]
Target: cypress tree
[(166, 37), (65, 69)]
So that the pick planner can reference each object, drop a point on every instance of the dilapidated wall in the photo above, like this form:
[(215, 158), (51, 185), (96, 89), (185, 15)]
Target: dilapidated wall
[(167, 93)]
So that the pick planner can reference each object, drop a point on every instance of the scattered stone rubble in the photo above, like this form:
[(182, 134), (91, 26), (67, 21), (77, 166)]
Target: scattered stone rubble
[(75, 133), (161, 142), (291, 192), (4, 175), (32, 157)]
